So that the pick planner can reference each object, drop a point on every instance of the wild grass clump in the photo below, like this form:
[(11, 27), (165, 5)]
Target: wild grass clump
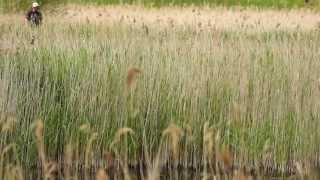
[(110, 96)]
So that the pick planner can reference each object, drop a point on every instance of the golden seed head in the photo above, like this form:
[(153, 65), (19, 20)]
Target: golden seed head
[(174, 133), (101, 175), (121, 132)]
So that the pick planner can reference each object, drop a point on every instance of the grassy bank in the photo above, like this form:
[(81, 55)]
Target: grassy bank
[(254, 93)]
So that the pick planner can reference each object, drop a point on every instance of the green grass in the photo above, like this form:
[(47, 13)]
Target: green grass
[(8, 5)]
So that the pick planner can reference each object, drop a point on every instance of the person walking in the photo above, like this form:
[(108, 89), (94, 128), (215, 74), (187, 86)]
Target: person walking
[(34, 16)]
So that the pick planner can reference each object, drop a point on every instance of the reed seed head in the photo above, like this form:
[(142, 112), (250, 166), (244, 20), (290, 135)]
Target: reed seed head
[(174, 133), (132, 73)]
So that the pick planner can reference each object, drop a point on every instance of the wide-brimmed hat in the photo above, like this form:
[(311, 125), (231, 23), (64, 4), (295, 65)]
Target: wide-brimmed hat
[(35, 4)]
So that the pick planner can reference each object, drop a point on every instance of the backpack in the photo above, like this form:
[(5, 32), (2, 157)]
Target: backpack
[(35, 18)]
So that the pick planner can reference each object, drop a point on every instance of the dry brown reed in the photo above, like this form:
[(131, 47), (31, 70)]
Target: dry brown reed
[(89, 153), (174, 133), (131, 75), (48, 168), (121, 132), (68, 161), (123, 161), (226, 158), (13, 173)]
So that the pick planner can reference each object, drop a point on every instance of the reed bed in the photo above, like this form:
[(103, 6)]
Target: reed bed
[(79, 98)]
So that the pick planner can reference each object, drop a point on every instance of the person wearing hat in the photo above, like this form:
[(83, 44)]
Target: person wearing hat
[(34, 16)]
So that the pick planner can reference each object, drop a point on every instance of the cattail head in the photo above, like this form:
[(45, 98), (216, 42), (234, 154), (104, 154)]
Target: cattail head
[(226, 158), (132, 73)]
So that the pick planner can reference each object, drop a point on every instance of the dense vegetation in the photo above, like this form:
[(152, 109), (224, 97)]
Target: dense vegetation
[(257, 92)]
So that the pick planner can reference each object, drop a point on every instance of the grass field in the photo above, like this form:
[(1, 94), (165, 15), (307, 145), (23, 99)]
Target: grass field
[(193, 94), (9, 5)]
